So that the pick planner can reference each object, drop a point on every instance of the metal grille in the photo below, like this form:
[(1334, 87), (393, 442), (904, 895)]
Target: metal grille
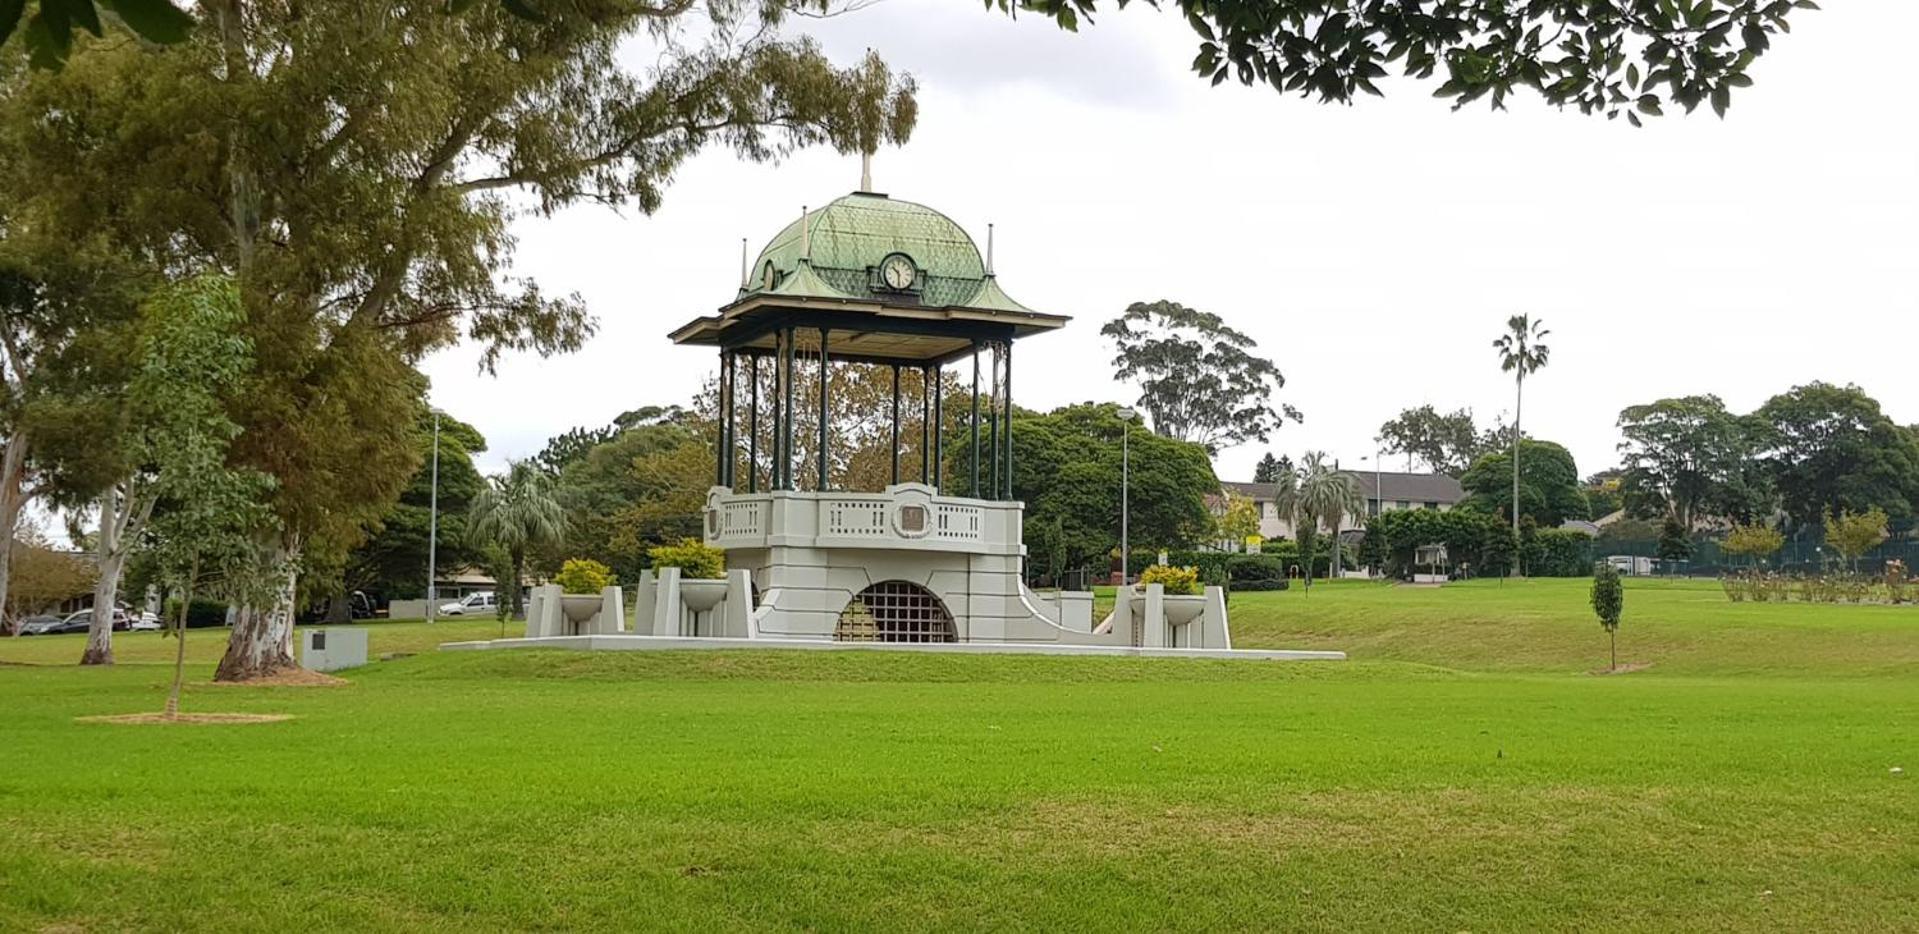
[(895, 611)]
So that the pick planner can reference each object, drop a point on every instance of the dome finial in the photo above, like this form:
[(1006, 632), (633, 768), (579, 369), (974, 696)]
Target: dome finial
[(989, 248), (806, 238), (866, 170), (742, 262)]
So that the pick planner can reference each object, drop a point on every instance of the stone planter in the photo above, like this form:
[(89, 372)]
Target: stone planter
[(702, 595), (1184, 608), (1180, 609), (579, 607)]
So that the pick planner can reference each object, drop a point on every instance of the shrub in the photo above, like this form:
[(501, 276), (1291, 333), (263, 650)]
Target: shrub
[(1248, 586), (1561, 553), (694, 558), (1177, 581), (201, 614), (1244, 569), (584, 575)]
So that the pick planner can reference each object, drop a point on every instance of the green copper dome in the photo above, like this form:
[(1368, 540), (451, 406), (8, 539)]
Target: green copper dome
[(848, 241)]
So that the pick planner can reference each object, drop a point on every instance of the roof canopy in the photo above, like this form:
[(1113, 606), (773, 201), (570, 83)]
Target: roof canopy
[(891, 281)]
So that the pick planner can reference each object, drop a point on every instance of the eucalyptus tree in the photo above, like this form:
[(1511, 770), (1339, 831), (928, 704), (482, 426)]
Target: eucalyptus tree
[(1199, 379), (517, 511), (1522, 350), (60, 347), (357, 178)]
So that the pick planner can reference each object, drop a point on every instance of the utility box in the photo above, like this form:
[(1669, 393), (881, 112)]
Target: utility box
[(331, 649)]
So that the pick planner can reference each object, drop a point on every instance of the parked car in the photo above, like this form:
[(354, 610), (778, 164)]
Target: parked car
[(39, 625), (475, 604), (82, 620), (145, 622)]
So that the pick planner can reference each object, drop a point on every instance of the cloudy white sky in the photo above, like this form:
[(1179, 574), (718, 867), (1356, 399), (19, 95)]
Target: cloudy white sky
[(1374, 251)]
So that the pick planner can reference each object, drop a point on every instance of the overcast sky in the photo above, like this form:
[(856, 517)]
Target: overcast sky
[(1374, 251)]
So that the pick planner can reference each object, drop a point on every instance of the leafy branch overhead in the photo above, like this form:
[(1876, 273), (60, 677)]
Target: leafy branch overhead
[(1601, 56), (1614, 57)]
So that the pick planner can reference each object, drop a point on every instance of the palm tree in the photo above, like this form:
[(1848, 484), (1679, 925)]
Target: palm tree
[(517, 511), (1522, 350), (1324, 495)]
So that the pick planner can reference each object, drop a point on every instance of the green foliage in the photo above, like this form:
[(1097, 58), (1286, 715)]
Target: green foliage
[(645, 486), (49, 32), (1549, 490), (1608, 595), (584, 575), (1199, 379), (1604, 495), (393, 559), (1238, 521), (1675, 543), (1688, 458), (1447, 443), (1754, 541), (1066, 469), (1854, 534), (1558, 553), (1177, 581), (693, 557), (1487, 48), (1241, 569), (1270, 469), (193, 360), (516, 512), (1613, 57), (201, 614), (1831, 449), (1475, 541)]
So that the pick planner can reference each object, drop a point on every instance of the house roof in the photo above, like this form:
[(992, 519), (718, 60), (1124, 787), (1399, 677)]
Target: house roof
[(1257, 492), (1409, 487)]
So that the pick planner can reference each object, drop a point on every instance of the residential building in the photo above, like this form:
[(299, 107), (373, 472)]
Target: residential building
[(1382, 491)]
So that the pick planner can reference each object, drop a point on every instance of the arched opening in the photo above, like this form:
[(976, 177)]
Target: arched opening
[(895, 611)]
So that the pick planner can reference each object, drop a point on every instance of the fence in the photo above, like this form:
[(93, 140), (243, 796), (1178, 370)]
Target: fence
[(1710, 560)]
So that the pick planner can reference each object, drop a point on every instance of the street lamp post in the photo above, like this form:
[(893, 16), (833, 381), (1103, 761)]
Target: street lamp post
[(1125, 505), (433, 528)]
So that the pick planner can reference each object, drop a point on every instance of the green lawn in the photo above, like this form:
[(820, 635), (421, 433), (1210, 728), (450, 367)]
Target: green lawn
[(1463, 771)]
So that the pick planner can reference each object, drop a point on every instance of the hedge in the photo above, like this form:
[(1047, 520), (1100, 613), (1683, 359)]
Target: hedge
[(201, 614)]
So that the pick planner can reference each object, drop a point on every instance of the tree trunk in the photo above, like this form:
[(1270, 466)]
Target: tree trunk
[(1519, 404), (122, 513), (519, 570), (1614, 635), (180, 645), (261, 643), (106, 587), (13, 470)]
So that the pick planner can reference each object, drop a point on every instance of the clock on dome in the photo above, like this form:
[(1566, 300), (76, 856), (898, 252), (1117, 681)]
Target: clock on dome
[(898, 272)]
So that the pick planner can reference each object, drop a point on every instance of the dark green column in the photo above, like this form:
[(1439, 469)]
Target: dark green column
[(753, 423), (786, 428), (939, 427), (1008, 431), (896, 423), (975, 487), (825, 374), (719, 429), (926, 424)]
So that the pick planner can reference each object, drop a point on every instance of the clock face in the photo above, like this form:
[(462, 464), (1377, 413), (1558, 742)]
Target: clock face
[(898, 272)]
